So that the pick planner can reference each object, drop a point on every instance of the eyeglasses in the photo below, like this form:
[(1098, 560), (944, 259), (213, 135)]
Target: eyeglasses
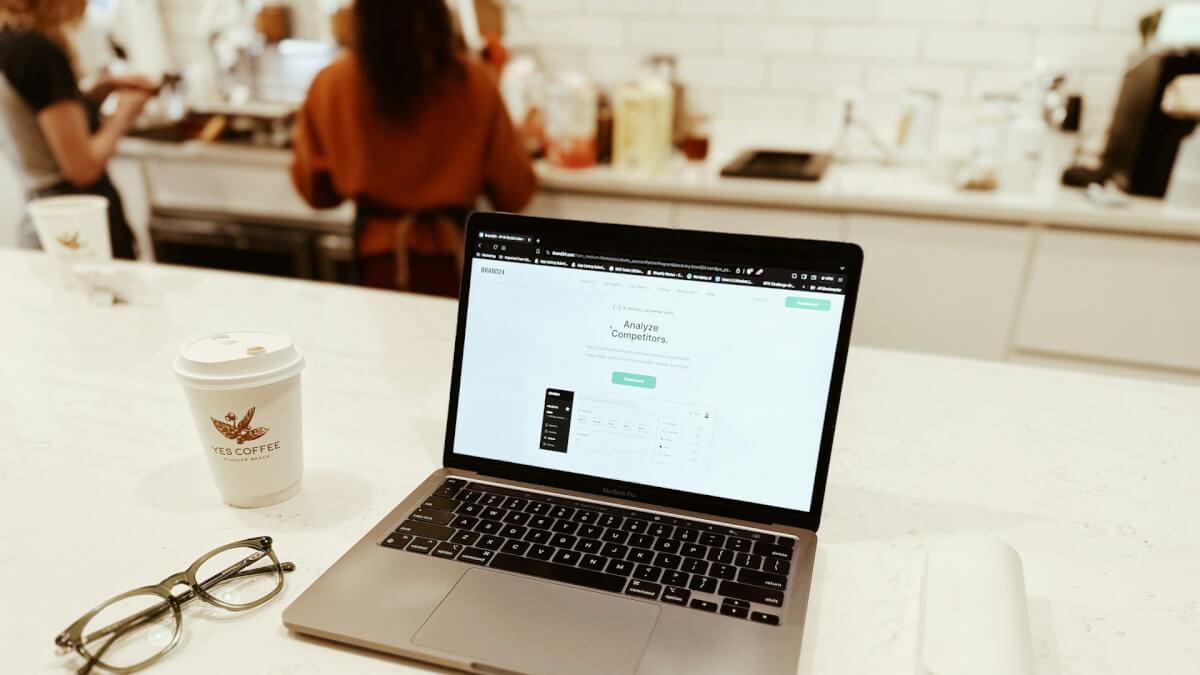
[(134, 630)]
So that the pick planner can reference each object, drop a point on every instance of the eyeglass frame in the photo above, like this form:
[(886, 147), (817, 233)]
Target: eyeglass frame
[(72, 638)]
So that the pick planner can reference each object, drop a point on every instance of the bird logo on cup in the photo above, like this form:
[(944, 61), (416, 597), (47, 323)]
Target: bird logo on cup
[(69, 241), (241, 432)]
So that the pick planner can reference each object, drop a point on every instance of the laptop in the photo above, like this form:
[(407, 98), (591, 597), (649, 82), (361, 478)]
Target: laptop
[(639, 429)]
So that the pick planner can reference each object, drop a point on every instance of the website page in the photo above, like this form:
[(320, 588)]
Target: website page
[(707, 380)]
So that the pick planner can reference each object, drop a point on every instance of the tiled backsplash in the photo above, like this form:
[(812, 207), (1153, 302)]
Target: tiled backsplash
[(784, 60)]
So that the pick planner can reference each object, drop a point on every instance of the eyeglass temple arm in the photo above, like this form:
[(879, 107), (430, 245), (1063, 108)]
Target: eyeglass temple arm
[(156, 610)]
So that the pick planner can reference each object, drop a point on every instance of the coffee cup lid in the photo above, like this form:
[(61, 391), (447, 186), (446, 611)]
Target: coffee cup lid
[(238, 359)]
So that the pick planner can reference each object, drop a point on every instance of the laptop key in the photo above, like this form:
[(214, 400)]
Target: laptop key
[(565, 526), (643, 589), (659, 530), (571, 575), (421, 545), (748, 560), (614, 551), (736, 603), (703, 584), (592, 562), (720, 555), (687, 536), (538, 508), (622, 567), (469, 496), (738, 545), (589, 546), (464, 522), (513, 531), (667, 560), (763, 617), (703, 605), (540, 522), (666, 546), (694, 566), (468, 509), (675, 594), (440, 503), (562, 512), (432, 516), (586, 517), (640, 555), (675, 578), (723, 571), (488, 527), (756, 578), (464, 537), (641, 540), (446, 550), (541, 552), (490, 542), (609, 520), (776, 551), (397, 540), (737, 612), (562, 541), (776, 566), (710, 539), (492, 499), (693, 550), (491, 513), (647, 573), (635, 526), (515, 503), (517, 517), (476, 556), (566, 557), (763, 596), (428, 530), (448, 489), (615, 536), (590, 531), (515, 547), (539, 536)]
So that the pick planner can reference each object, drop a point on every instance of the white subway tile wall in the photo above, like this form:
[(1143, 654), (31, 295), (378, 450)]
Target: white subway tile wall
[(786, 59)]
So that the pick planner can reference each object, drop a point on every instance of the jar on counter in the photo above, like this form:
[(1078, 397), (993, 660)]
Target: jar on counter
[(643, 125), (571, 117)]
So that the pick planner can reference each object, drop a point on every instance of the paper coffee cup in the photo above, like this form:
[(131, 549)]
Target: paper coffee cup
[(72, 229), (244, 392)]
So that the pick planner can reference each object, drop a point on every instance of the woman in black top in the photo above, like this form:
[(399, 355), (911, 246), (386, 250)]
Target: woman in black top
[(50, 129)]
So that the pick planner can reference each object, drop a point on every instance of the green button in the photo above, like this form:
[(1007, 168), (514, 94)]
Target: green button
[(816, 304), (634, 380)]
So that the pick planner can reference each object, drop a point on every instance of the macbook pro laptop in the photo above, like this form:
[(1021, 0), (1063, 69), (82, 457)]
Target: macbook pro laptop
[(638, 438)]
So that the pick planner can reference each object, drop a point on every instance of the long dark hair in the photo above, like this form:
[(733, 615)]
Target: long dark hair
[(407, 50)]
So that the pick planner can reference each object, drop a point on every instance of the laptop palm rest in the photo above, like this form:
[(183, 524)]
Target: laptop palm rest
[(509, 623)]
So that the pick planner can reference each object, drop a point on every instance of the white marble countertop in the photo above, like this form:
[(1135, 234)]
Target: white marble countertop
[(859, 187), (103, 488)]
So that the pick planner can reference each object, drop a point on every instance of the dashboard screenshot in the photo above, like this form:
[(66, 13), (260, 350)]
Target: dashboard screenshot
[(710, 379)]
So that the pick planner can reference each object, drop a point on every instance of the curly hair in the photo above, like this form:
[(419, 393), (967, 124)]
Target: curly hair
[(49, 18), (406, 50)]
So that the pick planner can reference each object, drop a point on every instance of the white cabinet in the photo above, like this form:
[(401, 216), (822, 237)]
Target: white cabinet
[(792, 223), (937, 285), (1121, 299), (653, 212)]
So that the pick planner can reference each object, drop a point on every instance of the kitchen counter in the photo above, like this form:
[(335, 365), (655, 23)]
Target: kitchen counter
[(859, 187), (1091, 479)]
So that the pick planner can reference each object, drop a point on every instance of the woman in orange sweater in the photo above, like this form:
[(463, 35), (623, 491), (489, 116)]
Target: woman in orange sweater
[(413, 131)]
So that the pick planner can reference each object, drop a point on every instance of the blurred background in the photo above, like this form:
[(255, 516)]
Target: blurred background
[(1023, 175)]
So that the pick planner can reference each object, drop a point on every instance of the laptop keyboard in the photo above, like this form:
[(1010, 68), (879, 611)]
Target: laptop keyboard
[(705, 566)]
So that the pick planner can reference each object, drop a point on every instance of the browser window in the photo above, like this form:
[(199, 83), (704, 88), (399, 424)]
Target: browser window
[(710, 379)]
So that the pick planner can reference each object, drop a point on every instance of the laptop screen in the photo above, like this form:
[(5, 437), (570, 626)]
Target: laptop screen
[(710, 378)]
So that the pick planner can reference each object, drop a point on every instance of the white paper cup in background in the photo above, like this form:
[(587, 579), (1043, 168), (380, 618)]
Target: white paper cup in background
[(244, 392), (72, 229)]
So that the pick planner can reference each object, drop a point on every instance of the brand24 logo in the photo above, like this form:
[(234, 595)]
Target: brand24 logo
[(239, 431)]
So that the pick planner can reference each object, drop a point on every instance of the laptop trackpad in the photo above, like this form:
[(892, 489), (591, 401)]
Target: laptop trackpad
[(530, 626)]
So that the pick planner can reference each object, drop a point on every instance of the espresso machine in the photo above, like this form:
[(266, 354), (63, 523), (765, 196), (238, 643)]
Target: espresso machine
[(1143, 140)]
